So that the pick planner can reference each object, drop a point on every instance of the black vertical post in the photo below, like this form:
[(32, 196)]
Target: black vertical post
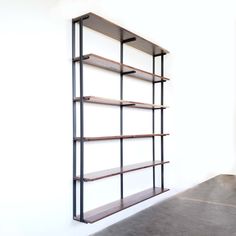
[(74, 117), (153, 122), (121, 118), (162, 122), (81, 122)]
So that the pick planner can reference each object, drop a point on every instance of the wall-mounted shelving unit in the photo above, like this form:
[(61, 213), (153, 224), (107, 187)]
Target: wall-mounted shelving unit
[(124, 36)]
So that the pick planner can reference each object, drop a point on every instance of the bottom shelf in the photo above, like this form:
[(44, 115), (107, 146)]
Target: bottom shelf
[(111, 208)]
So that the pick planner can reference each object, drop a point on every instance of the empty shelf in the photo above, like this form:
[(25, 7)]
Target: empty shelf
[(116, 32), (95, 60), (111, 208), (116, 171), (119, 137), (107, 101)]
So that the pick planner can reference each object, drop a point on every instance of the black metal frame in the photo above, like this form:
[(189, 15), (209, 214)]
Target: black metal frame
[(80, 20), (122, 42), (74, 117), (162, 117), (153, 124), (162, 122)]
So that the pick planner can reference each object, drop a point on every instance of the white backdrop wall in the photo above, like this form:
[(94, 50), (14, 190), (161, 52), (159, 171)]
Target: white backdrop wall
[(36, 110)]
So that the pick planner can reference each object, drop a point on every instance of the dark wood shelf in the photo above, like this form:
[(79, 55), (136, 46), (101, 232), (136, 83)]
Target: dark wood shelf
[(116, 32), (111, 208), (108, 101), (95, 60), (119, 137), (116, 171)]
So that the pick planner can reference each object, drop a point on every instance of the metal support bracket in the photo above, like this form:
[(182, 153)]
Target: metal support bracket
[(161, 81), (128, 40), (78, 58), (159, 54), (128, 72), (84, 17), (127, 105)]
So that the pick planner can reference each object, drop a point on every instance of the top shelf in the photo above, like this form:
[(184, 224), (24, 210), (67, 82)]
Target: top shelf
[(116, 32)]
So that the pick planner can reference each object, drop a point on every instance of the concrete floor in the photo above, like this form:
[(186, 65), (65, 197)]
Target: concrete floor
[(209, 209)]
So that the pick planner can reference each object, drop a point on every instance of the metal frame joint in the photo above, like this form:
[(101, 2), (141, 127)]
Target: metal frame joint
[(128, 40)]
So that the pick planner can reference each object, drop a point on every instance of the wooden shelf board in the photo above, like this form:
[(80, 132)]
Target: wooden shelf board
[(116, 171), (114, 207), (95, 60), (100, 138), (107, 101), (116, 32)]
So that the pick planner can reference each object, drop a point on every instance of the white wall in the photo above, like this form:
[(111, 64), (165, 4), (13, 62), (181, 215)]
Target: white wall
[(36, 111)]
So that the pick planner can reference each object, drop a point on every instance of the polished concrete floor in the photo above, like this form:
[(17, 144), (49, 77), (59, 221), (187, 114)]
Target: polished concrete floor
[(209, 209)]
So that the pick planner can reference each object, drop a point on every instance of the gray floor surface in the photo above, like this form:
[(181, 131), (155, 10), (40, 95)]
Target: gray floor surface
[(209, 209)]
